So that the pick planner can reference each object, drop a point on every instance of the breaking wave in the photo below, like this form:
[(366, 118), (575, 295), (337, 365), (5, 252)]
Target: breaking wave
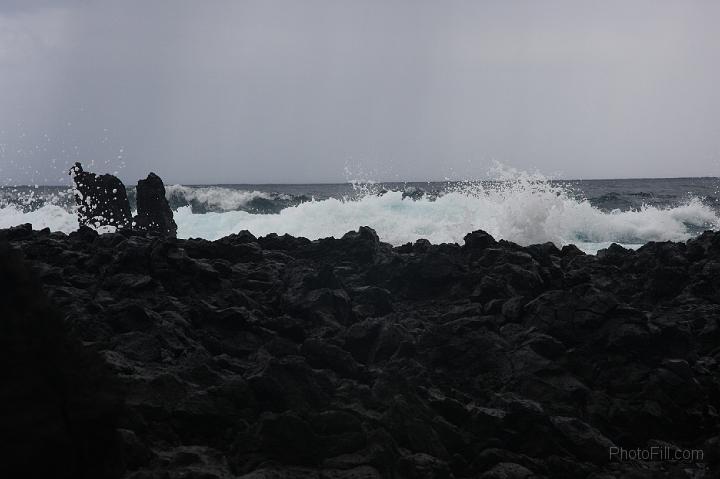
[(522, 208), (204, 199), (523, 213)]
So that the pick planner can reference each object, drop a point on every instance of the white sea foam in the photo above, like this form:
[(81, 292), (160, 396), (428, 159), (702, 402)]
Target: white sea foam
[(49, 216), (519, 217), (523, 208)]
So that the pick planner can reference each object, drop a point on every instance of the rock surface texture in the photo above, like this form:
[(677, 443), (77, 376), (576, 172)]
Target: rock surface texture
[(101, 199), (154, 213), (60, 404), (280, 357)]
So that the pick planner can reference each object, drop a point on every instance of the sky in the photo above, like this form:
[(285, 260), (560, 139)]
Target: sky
[(304, 91)]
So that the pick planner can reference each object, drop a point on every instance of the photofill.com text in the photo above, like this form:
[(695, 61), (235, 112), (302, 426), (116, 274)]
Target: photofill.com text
[(655, 453)]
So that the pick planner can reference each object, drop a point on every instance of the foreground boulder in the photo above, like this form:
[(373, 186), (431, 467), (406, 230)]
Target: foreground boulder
[(346, 358), (101, 199), (59, 406), (154, 213)]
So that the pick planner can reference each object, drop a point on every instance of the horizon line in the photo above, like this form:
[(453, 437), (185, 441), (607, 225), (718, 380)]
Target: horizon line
[(394, 181)]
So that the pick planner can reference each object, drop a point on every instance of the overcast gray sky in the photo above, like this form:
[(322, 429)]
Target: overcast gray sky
[(293, 91)]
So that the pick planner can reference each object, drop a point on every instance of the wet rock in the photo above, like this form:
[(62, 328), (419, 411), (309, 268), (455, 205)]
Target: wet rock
[(479, 240), (571, 251), (101, 199), (363, 245), (17, 232), (154, 213)]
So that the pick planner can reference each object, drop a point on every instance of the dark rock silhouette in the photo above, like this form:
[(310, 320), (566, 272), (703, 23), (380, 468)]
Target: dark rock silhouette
[(101, 199), (154, 213), (59, 406), (348, 358)]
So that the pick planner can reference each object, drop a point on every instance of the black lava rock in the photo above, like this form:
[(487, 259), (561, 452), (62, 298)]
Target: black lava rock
[(101, 199), (59, 404), (154, 213), (348, 358)]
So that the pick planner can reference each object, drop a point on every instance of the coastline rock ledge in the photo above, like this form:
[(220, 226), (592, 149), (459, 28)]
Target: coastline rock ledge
[(280, 357)]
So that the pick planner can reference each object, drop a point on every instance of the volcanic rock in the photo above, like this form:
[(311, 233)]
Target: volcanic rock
[(59, 404), (349, 358), (154, 213), (101, 199)]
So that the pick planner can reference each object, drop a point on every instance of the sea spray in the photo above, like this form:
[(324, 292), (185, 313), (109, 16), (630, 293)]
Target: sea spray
[(516, 206), (447, 219)]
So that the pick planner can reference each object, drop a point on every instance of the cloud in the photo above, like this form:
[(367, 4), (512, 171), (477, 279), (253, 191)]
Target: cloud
[(289, 91)]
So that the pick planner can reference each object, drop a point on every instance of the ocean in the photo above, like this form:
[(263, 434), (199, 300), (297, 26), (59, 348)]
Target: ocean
[(525, 209)]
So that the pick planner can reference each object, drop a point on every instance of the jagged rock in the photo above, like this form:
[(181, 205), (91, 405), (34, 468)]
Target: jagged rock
[(289, 383), (508, 470), (372, 301), (154, 213), (17, 232), (101, 199), (423, 466), (348, 358), (587, 441), (288, 436), (322, 355), (546, 345), (479, 240)]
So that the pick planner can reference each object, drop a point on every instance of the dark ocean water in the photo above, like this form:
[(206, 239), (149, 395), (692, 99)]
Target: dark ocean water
[(525, 209)]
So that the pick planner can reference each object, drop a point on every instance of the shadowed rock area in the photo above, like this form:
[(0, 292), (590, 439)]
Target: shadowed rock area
[(280, 357), (59, 404)]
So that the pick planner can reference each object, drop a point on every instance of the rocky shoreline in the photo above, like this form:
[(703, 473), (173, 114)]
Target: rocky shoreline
[(280, 357)]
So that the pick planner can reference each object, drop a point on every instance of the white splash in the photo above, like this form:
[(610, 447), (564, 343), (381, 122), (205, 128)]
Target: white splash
[(521, 207), (49, 216), (515, 213)]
